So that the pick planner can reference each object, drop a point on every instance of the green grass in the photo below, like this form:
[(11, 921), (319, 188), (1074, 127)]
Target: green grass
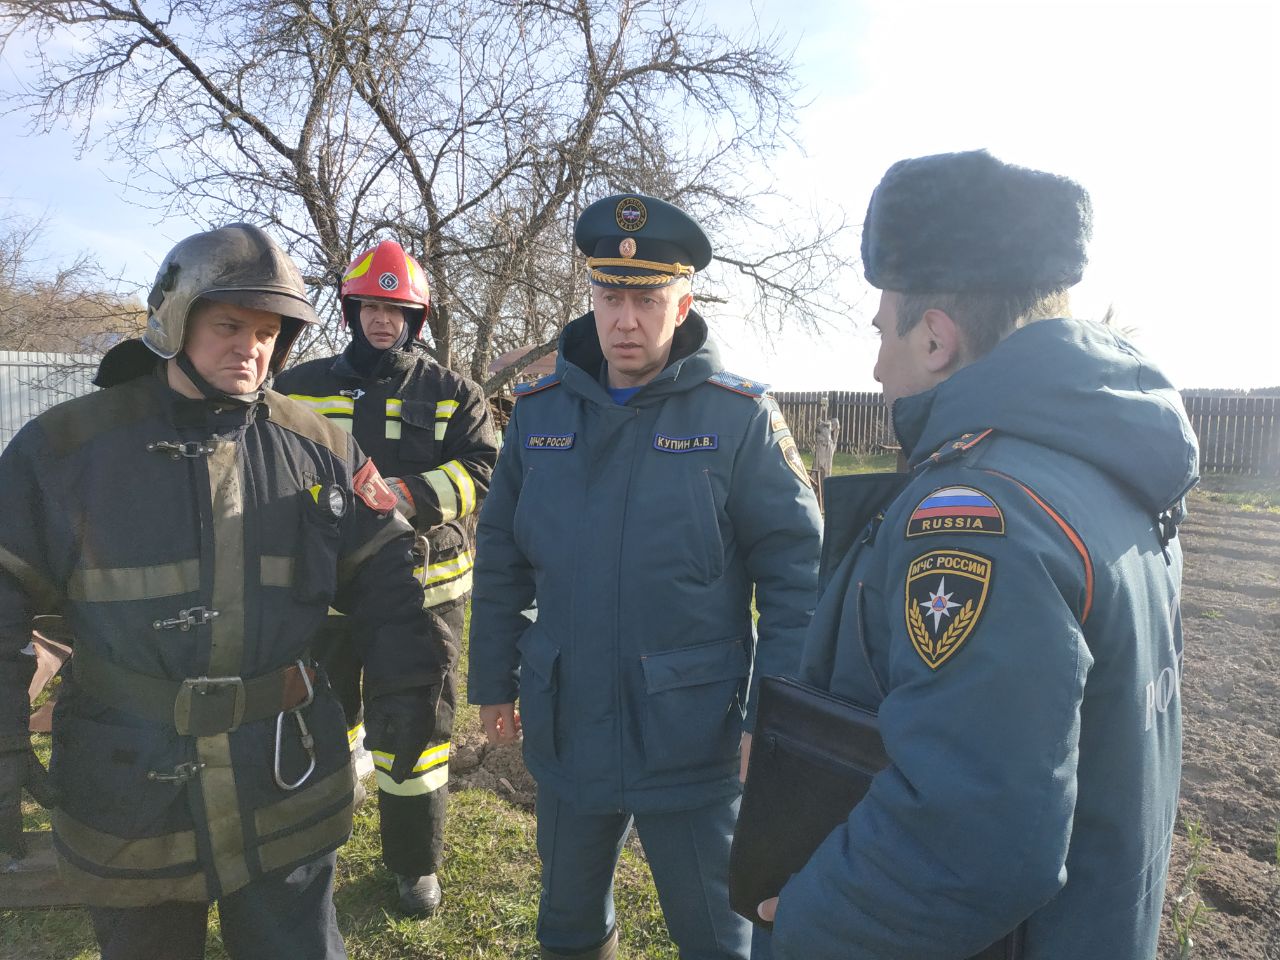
[(490, 878), (843, 463), (1249, 493), (1188, 912)]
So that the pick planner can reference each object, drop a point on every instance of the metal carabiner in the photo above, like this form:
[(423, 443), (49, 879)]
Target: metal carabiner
[(308, 741)]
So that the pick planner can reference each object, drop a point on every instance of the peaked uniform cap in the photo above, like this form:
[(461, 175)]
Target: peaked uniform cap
[(957, 222), (637, 242)]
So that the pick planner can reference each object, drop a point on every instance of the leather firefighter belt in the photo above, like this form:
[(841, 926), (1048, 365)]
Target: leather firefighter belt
[(197, 706)]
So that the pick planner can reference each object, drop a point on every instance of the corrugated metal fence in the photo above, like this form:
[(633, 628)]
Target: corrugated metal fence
[(1239, 435), (30, 383)]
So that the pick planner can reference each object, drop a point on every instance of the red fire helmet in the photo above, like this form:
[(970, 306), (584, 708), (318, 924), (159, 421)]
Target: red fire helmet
[(386, 273)]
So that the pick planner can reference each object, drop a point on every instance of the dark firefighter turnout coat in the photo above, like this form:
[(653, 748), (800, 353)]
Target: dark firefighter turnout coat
[(425, 424), (641, 530), (1013, 616), (194, 548)]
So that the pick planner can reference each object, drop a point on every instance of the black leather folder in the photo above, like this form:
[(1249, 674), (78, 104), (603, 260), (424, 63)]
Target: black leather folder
[(813, 757)]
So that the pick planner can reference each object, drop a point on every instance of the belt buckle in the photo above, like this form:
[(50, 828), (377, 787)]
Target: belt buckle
[(190, 706)]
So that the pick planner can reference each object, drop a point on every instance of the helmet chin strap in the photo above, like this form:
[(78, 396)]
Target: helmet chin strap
[(207, 389)]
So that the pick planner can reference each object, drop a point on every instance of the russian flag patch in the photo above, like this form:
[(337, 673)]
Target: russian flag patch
[(956, 510)]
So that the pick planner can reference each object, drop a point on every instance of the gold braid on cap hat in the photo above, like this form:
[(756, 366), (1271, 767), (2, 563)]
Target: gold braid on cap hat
[(670, 269)]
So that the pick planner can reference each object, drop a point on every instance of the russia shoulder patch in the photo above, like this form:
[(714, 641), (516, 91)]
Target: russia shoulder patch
[(946, 592), (956, 509), (731, 381), (525, 389)]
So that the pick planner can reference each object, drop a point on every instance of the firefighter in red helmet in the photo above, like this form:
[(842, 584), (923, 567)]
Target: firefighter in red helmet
[(428, 430)]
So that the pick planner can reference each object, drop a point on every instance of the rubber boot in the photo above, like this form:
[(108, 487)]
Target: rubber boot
[(606, 951), (419, 896)]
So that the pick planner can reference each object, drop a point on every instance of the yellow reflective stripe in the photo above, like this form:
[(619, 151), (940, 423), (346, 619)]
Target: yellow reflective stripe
[(450, 590), (393, 407), (438, 480), (429, 782), (431, 757), (393, 429), (328, 406), (448, 569), (430, 773), (121, 853), (292, 847), (360, 269), (466, 486), (306, 803), (109, 584), (354, 736), (443, 411)]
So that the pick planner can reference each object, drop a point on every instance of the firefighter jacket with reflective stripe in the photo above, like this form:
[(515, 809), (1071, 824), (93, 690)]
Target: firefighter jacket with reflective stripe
[(641, 530), (1013, 616), (423, 423), (186, 539)]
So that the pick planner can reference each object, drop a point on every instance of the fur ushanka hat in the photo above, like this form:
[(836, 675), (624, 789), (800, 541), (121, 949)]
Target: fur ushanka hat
[(958, 222)]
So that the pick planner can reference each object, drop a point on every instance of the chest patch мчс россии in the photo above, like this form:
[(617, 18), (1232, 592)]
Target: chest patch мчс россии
[(549, 441)]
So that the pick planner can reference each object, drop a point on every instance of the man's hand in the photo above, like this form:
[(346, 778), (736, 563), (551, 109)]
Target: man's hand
[(744, 758), (401, 724), (501, 723), (768, 909), (404, 499)]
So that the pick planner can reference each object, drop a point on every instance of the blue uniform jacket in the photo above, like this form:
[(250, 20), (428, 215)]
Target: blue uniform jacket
[(641, 531), (1014, 618)]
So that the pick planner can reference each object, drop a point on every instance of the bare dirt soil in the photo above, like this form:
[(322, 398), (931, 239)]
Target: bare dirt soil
[(1231, 746), (1231, 733)]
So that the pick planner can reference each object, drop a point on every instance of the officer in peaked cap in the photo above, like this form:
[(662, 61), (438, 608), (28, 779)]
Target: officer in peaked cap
[(642, 495), (1013, 615)]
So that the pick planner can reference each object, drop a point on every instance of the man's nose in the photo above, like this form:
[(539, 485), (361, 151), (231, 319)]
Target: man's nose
[(627, 316)]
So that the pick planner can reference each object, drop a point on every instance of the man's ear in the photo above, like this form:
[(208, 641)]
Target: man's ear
[(683, 307), (943, 343)]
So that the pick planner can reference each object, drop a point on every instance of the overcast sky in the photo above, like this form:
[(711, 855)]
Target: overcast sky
[(1166, 112)]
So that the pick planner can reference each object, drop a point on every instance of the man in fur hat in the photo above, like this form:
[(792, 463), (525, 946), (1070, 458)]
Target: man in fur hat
[(1011, 612)]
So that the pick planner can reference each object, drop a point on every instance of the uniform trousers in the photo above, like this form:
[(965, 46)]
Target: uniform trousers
[(411, 823), (688, 854), (278, 915)]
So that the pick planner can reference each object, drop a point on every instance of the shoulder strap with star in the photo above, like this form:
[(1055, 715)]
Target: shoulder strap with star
[(731, 381), (544, 383)]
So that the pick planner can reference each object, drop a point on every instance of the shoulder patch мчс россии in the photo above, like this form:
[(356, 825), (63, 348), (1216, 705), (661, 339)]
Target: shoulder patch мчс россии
[(946, 591)]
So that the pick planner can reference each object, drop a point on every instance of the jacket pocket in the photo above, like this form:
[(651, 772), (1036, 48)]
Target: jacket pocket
[(316, 560), (539, 692), (122, 781), (418, 443), (710, 546), (692, 712)]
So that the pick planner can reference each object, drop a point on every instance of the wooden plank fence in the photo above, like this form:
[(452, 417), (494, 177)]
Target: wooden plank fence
[(1238, 435)]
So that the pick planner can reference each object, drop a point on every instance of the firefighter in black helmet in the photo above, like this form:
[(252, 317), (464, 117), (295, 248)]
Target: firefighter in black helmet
[(194, 529)]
